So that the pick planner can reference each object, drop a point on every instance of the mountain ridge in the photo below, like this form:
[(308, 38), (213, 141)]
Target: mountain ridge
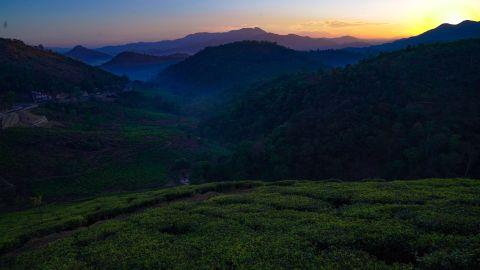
[(193, 43), (25, 68), (443, 33), (235, 64), (88, 56)]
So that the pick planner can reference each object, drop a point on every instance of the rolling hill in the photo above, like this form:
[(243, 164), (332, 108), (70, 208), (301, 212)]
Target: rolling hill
[(88, 56), (194, 43), (141, 67), (25, 68), (407, 114), (234, 65)]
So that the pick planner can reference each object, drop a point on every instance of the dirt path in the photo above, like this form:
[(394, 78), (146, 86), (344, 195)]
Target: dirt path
[(39, 242)]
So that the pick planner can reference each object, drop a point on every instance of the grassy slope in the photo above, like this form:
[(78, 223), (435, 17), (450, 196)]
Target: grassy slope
[(428, 224)]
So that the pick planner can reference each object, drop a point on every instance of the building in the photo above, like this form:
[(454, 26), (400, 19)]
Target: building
[(40, 97)]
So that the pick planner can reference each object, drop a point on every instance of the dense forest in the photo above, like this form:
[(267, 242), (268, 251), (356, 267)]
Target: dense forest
[(407, 114), (25, 68)]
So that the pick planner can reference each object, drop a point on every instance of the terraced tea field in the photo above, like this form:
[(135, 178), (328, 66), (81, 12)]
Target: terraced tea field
[(424, 224)]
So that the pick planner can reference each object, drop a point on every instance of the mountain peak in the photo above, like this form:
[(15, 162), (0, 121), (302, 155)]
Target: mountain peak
[(87, 55), (468, 22), (443, 26), (250, 30), (462, 24), (79, 47)]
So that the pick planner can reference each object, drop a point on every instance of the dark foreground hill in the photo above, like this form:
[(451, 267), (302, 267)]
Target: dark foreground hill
[(426, 224), (24, 68), (140, 66), (407, 114), (88, 56)]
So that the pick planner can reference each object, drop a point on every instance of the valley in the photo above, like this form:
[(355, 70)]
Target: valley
[(243, 149)]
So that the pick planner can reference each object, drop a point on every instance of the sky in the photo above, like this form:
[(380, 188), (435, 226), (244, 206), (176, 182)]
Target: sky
[(93, 23)]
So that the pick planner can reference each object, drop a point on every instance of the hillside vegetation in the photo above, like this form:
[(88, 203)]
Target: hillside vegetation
[(234, 64), (88, 56), (94, 147), (25, 68), (425, 224), (407, 114)]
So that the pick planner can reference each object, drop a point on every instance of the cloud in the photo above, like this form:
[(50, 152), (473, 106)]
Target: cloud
[(315, 25), (341, 24), (226, 28)]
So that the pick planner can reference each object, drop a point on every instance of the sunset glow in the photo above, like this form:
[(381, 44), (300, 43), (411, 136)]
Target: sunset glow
[(432, 13), (65, 23)]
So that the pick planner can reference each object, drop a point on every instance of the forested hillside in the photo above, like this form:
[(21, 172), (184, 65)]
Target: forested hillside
[(88, 56), (24, 68), (408, 114), (235, 64)]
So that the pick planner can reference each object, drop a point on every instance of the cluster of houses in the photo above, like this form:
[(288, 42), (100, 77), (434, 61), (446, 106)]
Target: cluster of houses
[(40, 97), (43, 97)]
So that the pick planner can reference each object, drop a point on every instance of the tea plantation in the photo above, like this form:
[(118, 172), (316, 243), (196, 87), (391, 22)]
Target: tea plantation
[(424, 224)]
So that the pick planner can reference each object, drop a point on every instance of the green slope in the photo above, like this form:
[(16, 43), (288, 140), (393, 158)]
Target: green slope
[(425, 224)]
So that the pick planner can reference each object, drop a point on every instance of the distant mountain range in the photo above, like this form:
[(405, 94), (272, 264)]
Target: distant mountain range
[(241, 63), (88, 56), (25, 68), (140, 66), (194, 43)]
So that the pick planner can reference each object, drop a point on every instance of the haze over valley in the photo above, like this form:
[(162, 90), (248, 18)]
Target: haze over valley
[(240, 135)]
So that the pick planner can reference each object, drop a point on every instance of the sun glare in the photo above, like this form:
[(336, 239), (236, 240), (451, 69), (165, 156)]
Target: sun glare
[(454, 19), (432, 13)]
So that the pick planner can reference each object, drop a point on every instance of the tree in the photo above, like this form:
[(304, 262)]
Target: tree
[(7, 100)]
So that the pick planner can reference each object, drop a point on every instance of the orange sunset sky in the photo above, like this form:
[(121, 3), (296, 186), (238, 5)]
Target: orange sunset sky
[(95, 23)]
